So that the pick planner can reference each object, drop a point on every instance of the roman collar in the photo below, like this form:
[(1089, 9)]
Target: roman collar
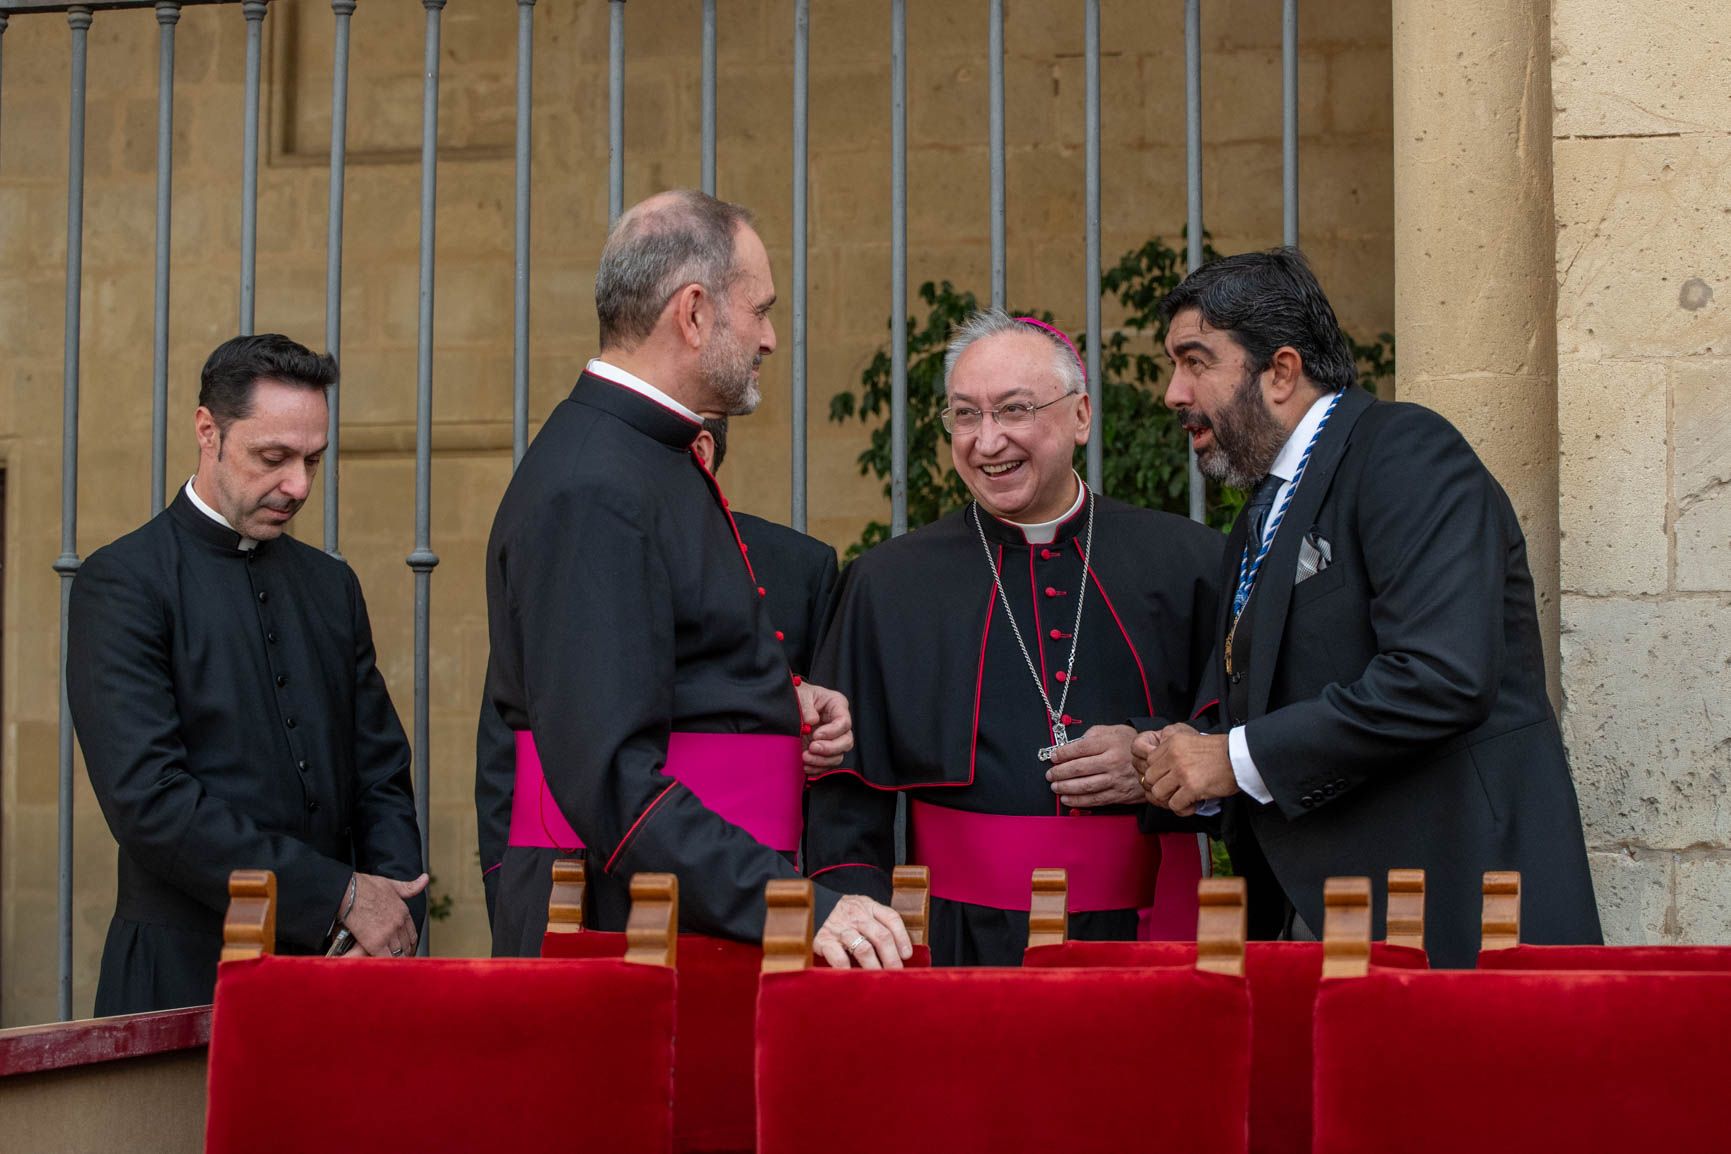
[(200, 525), (1068, 528)]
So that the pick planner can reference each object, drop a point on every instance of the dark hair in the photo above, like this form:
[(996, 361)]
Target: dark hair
[(717, 427), (657, 248), (225, 385), (1267, 300)]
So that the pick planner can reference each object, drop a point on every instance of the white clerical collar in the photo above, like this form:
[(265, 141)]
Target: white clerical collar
[(1286, 464), (1047, 531), (246, 543), (636, 384)]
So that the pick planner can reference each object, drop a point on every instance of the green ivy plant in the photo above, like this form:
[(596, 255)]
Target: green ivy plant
[(1145, 454)]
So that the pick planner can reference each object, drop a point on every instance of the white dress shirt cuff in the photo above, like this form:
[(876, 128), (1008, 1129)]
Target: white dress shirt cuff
[(1244, 768)]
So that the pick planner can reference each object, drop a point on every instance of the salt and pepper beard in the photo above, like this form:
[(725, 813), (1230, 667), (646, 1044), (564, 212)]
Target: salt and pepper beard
[(1247, 437), (726, 364)]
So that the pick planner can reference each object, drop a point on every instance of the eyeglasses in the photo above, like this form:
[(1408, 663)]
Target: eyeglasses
[(1015, 415)]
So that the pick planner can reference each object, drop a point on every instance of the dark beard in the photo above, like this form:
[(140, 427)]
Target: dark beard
[(1247, 438)]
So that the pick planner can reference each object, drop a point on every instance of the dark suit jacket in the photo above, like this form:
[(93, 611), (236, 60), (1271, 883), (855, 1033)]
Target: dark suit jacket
[(1396, 701)]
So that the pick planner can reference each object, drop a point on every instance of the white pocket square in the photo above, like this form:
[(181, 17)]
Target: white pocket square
[(1314, 555)]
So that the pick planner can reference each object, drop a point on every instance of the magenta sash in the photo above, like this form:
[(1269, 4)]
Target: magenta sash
[(754, 780), (989, 859)]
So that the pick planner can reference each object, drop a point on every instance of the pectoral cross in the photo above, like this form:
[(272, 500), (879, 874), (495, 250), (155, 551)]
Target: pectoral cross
[(1060, 737)]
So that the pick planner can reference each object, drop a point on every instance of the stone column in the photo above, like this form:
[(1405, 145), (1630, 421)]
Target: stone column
[(1474, 267)]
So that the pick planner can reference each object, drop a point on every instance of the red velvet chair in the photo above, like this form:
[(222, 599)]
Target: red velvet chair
[(960, 1061), (1282, 976), (1501, 947), (713, 1103), (435, 1054), (1452, 1061)]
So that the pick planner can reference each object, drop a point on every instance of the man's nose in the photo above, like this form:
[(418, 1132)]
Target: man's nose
[(991, 434), (766, 344), (1178, 393), (298, 481)]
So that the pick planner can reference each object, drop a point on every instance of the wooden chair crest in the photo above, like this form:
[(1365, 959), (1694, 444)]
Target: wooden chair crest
[(652, 929), (1049, 908), (1500, 924), (565, 903), (1406, 908), (1346, 928), (911, 897), (249, 928), (787, 925), (1222, 924)]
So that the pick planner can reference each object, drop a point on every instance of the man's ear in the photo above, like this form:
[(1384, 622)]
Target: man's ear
[(704, 447), (1084, 418), (1285, 374), (693, 314), (208, 432)]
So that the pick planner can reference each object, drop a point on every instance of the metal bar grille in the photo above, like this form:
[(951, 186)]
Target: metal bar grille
[(341, 10), (167, 16)]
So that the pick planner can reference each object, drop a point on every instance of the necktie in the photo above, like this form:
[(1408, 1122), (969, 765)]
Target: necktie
[(1261, 503)]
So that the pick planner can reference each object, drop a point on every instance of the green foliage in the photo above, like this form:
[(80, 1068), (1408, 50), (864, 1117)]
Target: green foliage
[(439, 905), (1145, 454)]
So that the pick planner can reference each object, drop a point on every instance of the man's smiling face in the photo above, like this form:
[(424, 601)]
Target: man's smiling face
[(1017, 474)]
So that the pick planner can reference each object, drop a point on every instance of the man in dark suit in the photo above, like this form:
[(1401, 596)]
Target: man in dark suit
[(223, 684), (1379, 690), (802, 569)]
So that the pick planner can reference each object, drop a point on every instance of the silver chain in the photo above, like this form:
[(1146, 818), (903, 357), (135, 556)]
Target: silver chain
[(1075, 630)]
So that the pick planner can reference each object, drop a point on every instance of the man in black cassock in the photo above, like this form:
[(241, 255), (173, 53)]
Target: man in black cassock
[(801, 569), (998, 685), (232, 716), (799, 573), (1377, 694), (658, 725)]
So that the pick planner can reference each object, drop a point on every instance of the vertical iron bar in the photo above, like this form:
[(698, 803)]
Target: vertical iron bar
[(898, 267), (167, 16), (423, 559), (520, 334), (1193, 192), (254, 11), (1289, 120), (801, 80), (78, 18), (995, 99), (342, 10), (709, 97), (615, 110), (1096, 435)]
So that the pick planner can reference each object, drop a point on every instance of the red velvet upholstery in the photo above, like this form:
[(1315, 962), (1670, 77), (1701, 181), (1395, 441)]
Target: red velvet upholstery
[(436, 1055), (1695, 959), (1452, 1061), (1283, 977), (713, 1107), (958, 1061)]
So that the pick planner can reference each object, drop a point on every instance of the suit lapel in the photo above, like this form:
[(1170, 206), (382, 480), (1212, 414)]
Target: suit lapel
[(1274, 582)]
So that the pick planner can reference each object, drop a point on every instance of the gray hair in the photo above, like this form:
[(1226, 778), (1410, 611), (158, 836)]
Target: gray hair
[(993, 322), (657, 248)]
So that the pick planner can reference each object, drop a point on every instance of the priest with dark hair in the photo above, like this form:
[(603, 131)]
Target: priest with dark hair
[(225, 692), (1000, 663)]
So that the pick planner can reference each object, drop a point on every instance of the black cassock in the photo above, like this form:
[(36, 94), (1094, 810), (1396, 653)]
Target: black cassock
[(232, 716), (799, 576), (959, 723), (620, 610)]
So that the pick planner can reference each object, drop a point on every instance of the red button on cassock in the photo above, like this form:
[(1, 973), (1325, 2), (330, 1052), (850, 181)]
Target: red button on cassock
[(796, 679), (1056, 634), (780, 636), (1051, 592), (762, 592), (1060, 675), (805, 730)]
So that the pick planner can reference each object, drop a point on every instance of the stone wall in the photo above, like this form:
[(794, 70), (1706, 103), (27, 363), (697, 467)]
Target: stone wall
[(1642, 145), (1347, 225)]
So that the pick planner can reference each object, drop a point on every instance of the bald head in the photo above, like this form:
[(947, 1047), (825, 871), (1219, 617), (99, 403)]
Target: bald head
[(659, 246)]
